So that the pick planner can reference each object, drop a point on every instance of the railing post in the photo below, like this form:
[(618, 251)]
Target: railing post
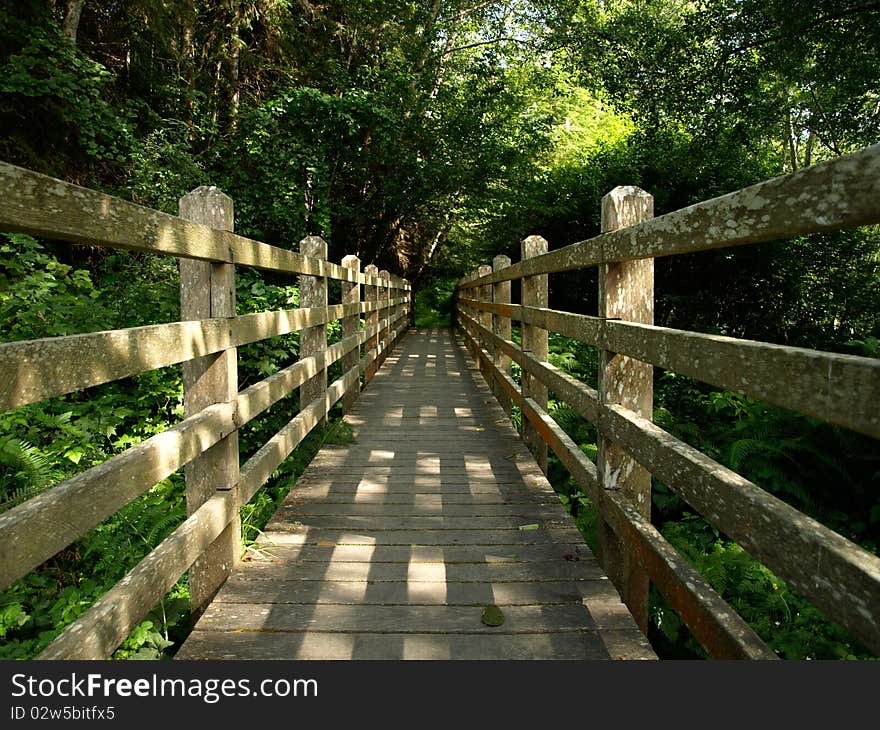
[(208, 290), (351, 294), (501, 327), (408, 308), (535, 293), (385, 313), (626, 292), (484, 294), (313, 340), (371, 348)]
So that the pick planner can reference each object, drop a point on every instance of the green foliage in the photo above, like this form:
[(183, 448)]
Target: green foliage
[(789, 624), (42, 297), (57, 94), (433, 303)]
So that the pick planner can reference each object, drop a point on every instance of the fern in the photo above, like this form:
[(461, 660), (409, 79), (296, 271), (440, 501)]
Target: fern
[(25, 471)]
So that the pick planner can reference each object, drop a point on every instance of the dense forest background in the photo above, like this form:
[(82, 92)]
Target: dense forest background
[(426, 137)]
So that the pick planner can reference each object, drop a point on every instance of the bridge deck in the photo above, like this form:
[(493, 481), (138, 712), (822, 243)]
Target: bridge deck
[(391, 547)]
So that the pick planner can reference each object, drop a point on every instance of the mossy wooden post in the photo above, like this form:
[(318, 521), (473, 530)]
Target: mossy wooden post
[(385, 314), (371, 348), (501, 327), (535, 293), (351, 325), (313, 340), (484, 294), (626, 292), (208, 290)]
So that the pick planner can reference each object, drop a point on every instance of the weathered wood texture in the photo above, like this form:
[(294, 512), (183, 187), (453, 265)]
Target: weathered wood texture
[(840, 193), (371, 348), (391, 547), (207, 290), (840, 389), (713, 622), (36, 370), (844, 580), (501, 326), (535, 293), (351, 325), (626, 292), (313, 340)]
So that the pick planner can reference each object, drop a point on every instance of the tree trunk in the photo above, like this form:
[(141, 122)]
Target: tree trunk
[(72, 13)]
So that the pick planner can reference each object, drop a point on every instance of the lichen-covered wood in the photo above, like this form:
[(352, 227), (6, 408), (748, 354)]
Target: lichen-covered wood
[(312, 340), (45, 206), (34, 531), (534, 293), (207, 290), (840, 389), (626, 292), (351, 325), (713, 622)]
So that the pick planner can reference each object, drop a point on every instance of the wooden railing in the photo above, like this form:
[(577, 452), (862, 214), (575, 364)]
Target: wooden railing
[(207, 543), (838, 576)]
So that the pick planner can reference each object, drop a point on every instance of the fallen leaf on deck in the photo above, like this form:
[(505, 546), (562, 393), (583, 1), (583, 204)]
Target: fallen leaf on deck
[(492, 616)]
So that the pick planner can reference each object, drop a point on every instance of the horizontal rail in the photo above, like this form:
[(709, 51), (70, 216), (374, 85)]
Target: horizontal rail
[(106, 624), (840, 389), (35, 370), (268, 458), (712, 621), (844, 580), (837, 575), (35, 530), (45, 206), (840, 193)]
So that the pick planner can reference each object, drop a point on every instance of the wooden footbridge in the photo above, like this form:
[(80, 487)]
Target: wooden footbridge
[(403, 543)]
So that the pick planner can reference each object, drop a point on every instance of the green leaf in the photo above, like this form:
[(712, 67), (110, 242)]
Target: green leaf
[(492, 615)]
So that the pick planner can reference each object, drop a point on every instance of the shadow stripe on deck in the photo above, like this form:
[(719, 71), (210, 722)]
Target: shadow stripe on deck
[(389, 548)]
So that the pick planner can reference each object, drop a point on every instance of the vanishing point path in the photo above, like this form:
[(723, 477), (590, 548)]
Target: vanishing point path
[(391, 547)]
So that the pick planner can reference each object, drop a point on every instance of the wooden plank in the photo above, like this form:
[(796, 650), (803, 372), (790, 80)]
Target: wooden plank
[(585, 645), (208, 290), (419, 522), (34, 531), (411, 570), (840, 193), (402, 619), (108, 622), (840, 389), (45, 206), (35, 370), (837, 575), (379, 555), (286, 534), (415, 593)]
